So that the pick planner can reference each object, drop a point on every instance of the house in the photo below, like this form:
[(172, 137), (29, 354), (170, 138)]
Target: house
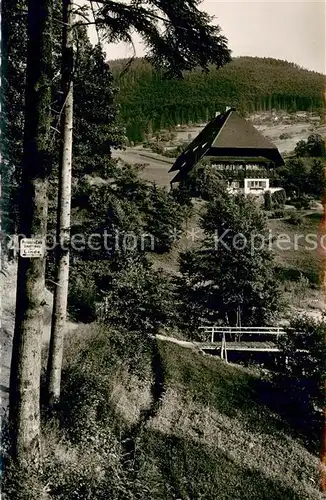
[(245, 158)]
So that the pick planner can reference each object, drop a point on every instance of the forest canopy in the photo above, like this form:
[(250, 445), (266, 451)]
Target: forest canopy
[(150, 102)]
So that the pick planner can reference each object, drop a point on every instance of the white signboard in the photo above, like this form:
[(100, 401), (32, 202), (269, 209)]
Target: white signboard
[(32, 247)]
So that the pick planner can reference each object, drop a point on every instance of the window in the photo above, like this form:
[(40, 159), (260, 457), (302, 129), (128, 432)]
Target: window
[(235, 184), (257, 184)]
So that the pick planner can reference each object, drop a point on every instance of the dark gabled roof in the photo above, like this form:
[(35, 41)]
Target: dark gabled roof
[(228, 134)]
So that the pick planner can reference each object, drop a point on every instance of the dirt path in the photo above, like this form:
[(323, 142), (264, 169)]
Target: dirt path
[(184, 343)]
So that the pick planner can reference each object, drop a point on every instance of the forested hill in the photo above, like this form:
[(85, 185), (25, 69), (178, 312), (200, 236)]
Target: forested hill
[(149, 103)]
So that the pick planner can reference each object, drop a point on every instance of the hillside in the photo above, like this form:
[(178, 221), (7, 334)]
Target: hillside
[(178, 425), (150, 103)]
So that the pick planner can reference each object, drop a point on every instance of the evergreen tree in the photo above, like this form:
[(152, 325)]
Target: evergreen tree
[(14, 46), (97, 129), (231, 278), (316, 178), (164, 218)]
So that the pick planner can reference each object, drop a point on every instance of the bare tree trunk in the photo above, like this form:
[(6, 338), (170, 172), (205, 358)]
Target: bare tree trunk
[(24, 409), (64, 207), (323, 450)]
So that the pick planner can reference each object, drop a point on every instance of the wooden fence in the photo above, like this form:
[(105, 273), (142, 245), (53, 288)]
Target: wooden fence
[(228, 338)]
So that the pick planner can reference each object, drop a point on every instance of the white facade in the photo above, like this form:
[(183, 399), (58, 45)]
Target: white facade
[(252, 186), (255, 186)]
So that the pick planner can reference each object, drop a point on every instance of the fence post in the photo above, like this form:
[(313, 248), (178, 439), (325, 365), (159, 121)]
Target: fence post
[(225, 350), (212, 335)]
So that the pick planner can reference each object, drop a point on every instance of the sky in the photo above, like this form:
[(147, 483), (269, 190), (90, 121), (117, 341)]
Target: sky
[(290, 30)]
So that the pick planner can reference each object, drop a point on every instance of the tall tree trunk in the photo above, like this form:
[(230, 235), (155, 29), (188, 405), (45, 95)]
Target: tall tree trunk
[(323, 449), (64, 207), (27, 342)]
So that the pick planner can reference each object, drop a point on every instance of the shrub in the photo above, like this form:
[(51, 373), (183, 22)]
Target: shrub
[(302, 203), (268, 200), (87, 456), (279, 199), (285, 135), (313, 147), (173, 152), (278, 214), (141, 299), (295, 218), (83, 293), (157, 147)]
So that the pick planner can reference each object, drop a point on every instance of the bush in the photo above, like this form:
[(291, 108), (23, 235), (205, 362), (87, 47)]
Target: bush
[(83, 293), (86, 455), (157, 147), (285, 135), (295, 218), (279, 199), (268, 200), (278, 214), (141, 299), (313, 147), (302, 203)]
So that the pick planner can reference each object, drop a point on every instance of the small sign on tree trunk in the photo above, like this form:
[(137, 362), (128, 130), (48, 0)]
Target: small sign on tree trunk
[(32, 248)]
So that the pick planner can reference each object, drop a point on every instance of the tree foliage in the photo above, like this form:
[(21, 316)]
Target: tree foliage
[(314, 147), (304, 374), (97, 128), (303, 176), (231, 278), (202, 181), (13, 53), (178, 35), (248, 83), (140, 299)]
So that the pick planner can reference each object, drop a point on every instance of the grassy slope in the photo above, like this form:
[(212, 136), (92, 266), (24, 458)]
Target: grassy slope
[(217, 439), (298, 258), (209, 436)]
